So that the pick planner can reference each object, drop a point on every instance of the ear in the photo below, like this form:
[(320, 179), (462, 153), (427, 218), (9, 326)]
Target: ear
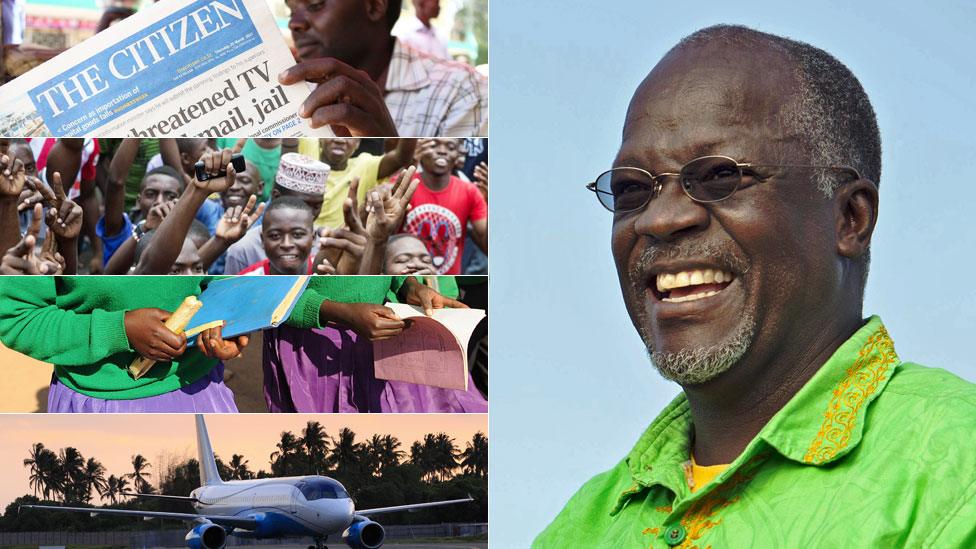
[(856, 214), (376, 10)]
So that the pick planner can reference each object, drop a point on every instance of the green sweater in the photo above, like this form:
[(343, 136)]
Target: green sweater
[(77, 323)]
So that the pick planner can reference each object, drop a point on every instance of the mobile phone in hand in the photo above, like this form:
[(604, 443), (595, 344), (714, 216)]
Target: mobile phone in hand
[(236, 160)]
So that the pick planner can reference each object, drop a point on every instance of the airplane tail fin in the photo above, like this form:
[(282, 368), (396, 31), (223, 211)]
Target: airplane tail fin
[(208, 465)]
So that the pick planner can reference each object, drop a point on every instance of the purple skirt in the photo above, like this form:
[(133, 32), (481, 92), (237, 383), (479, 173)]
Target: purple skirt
[(205, 395), (331, 370)]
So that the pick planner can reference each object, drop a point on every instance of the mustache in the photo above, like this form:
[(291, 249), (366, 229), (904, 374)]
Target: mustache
[(720, 255)]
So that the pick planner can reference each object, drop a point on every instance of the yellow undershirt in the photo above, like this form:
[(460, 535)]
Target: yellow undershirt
[(703, 474)]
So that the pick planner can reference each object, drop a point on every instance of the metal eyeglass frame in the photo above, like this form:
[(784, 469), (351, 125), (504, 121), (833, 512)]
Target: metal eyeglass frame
[(659, 183)]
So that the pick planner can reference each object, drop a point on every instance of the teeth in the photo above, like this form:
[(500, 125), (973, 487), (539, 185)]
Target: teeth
[(691, 297), (669, 281)]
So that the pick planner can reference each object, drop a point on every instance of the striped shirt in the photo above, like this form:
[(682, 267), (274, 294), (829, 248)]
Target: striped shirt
[(429, 97)]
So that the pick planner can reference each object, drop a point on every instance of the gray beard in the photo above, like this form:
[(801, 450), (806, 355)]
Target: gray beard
[(696, 365)]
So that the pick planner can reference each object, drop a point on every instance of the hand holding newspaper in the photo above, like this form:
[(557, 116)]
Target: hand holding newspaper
[(177, 68)]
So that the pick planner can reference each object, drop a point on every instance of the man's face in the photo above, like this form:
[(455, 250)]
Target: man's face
[(156, 189), (287, 237), (188, 159), (440, 156), (22, 152), (407, 255), (188, 263), (328, 28), (245, 184), (771, 244), (336, 152), (427, 9)]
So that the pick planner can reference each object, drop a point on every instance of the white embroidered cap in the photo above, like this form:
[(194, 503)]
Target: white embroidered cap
[(302, 174)]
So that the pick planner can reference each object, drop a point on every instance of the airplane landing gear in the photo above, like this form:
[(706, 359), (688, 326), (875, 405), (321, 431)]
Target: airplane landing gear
[(319, 544)]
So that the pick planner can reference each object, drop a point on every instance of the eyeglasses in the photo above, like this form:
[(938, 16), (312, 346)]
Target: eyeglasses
[(706, 179)]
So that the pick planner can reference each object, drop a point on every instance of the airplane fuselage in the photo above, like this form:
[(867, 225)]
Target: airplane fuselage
[(279, 504)]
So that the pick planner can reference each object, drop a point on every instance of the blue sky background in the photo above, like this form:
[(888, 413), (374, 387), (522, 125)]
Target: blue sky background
[(572, 389)]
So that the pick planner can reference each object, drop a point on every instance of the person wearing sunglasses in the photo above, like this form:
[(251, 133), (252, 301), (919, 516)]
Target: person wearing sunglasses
[(743, 201)]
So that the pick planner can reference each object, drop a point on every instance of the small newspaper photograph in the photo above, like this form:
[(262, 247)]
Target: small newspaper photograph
[(179, 68)]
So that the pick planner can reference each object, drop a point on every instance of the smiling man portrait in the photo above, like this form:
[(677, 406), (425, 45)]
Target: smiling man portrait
[(744, 197)]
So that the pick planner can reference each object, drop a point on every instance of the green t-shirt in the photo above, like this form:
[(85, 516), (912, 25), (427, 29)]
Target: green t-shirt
[(871, 452)]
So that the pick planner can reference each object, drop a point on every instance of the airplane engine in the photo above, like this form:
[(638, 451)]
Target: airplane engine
[(364, 534), (206, 535)]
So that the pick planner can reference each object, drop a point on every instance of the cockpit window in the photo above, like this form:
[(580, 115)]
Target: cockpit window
[(322, 488)]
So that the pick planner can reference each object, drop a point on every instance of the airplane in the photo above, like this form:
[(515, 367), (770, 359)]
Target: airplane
[(313, 505)]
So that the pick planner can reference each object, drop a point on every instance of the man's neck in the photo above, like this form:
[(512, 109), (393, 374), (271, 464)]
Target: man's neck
[(425, 21), (436, 182), (729, 411), (376, 59)]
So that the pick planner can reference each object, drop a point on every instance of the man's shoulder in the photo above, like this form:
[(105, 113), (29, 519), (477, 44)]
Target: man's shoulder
[(441, 69), (928, 400), (931, 388)]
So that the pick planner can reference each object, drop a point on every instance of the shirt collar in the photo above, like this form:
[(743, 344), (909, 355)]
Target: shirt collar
[(406, 71), (825, 420), (821, 423)]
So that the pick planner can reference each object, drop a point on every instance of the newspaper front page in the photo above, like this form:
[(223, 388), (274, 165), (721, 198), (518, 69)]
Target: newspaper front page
[(178, 68)]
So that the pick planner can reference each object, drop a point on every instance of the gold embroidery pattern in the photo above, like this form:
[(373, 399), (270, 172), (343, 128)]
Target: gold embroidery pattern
[(700, 517), (874, 361)]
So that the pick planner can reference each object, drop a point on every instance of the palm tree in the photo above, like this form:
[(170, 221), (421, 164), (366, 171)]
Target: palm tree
[(49, 469), (421, 455), (115, 488), (112, 491), (238, 468), (474, 458), (315, 442), (390, 453), (139, 474), (93, 475), (36, 480), (71, 477), (282, 459), (445, 455), (344, 451)]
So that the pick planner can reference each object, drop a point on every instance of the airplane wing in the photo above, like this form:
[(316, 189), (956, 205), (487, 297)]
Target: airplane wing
[(236, 522), (158, 496), (380, 510)]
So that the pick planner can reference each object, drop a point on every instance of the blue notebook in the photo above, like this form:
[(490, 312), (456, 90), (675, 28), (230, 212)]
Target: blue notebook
[(247, 304)]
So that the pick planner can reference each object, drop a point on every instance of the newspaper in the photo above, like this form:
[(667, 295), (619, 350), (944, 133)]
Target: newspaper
[(177, 68)]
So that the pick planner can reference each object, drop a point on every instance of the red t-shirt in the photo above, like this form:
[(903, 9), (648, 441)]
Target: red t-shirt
[(263, 267), (440, 219), (86, 172)]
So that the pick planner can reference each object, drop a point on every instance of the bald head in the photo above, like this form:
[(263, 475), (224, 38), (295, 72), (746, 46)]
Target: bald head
[(787, 91)]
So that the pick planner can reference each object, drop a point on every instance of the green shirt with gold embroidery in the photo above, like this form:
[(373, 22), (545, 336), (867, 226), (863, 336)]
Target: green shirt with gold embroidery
[(871, 452)]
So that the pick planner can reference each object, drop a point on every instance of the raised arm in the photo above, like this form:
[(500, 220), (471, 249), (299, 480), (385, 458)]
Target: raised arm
[(12, 179), (400, 157), (168, 241), (118, 170)]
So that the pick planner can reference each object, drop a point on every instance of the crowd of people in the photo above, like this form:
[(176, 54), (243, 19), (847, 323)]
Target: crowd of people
[(298, 206)]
